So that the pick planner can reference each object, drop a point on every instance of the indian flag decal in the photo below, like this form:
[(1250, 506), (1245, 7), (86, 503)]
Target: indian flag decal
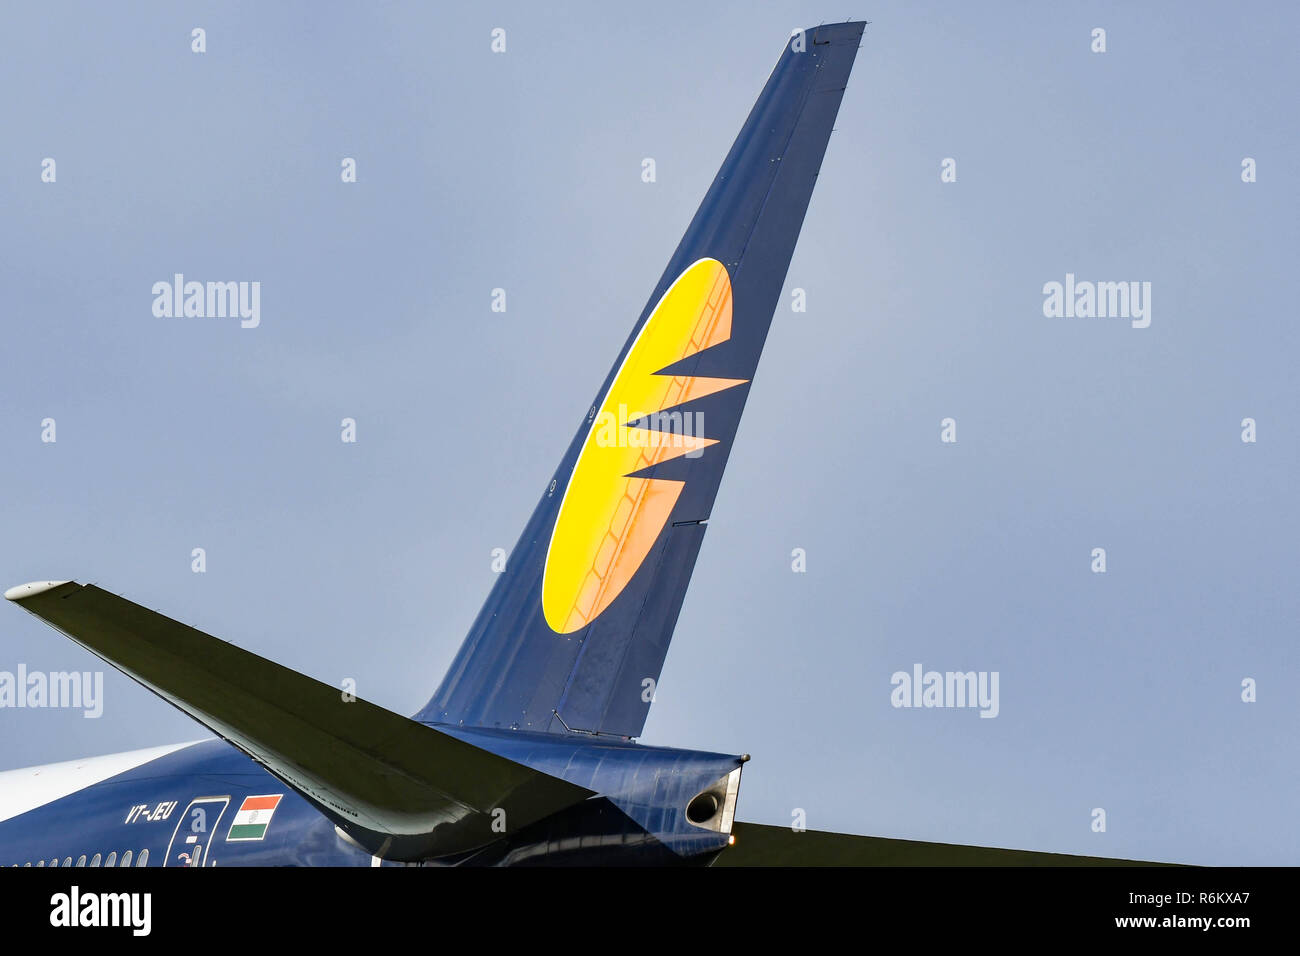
[(253, 817)]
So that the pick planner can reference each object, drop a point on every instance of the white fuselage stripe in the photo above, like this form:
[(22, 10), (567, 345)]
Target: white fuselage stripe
[(32, 787)]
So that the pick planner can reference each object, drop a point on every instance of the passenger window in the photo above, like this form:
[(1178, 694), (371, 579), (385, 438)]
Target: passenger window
[(67, 861), (94, 861), (81, 860), (144, 858), (111, 860), (40, 862), (126, 858)]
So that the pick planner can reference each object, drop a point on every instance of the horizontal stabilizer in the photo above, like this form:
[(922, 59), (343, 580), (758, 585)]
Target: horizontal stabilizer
[(401, 789), (759, 845)]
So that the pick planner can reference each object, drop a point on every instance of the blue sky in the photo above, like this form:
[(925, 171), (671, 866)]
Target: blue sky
[(522, 171)]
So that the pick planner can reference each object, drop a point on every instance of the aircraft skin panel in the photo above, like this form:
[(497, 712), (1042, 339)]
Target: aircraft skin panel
[(573, 635)]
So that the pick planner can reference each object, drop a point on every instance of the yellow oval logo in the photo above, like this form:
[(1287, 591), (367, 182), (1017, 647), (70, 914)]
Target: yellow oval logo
[(608, 520)]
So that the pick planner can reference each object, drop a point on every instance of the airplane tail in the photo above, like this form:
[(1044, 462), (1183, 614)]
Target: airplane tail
[(574, 633)]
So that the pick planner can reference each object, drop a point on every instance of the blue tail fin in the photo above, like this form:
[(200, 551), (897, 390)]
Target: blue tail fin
[(574, 633)]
